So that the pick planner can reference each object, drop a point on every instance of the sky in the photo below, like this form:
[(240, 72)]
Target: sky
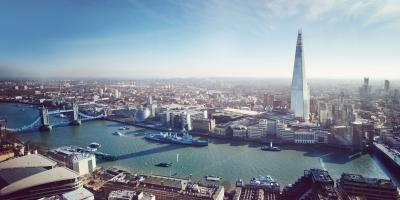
[(198, 38)]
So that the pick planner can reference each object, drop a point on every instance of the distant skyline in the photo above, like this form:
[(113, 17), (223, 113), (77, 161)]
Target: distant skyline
[(210, 38)]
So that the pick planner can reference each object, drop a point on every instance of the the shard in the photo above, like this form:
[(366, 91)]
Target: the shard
[(300, 94)]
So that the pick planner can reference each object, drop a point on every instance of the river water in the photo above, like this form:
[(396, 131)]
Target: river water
[(228, 159)]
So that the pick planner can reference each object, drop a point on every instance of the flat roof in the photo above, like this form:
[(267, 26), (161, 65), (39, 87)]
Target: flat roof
[(162, 181), (361, 179), (122, 194), (80, 193), (10, 175), (243, 112), (32, 160), (49, 176)]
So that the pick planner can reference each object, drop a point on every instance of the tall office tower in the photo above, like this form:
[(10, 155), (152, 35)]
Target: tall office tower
[(300, 95), (365, 89), (366, 81), (357, 134), (268, 100), (387, 85)]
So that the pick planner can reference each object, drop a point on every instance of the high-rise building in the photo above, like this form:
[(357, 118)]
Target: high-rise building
[(117, 94), (300, 95), (268, 100), (365, 89), (357, 134), (387, 85)]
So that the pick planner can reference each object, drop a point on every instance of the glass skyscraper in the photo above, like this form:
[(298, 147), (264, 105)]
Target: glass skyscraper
[(300, 94)]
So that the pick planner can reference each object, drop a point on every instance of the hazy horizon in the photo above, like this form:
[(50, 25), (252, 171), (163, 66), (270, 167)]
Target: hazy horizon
[(131, 39)]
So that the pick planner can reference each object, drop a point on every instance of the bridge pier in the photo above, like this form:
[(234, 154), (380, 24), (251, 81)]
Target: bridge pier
[(44, 119), (75, 115)]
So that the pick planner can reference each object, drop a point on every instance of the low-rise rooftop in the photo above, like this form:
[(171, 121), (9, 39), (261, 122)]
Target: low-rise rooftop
[(48, 176), (364, 180), (32, 160)]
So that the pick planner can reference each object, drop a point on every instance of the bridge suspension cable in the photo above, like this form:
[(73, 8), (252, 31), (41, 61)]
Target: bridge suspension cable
[(31, 126)]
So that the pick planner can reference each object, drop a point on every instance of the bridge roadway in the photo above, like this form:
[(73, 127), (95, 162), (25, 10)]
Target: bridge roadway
[(36, 124)]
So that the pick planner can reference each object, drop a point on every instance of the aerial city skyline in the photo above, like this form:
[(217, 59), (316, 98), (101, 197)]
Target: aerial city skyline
[(146, 139), (199, 100)]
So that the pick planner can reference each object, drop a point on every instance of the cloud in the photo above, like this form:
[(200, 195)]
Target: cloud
[(368, 12), (386, 12)]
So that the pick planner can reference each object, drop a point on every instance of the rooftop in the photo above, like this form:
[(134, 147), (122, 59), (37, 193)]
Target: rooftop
[(319, 175), (10, 175), (127, 194), (364, 180), (70, 152), (48, 176), (32, 160), (179, 184), (242, 112), (80, 193)]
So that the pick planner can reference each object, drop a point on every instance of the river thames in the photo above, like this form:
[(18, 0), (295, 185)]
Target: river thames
[(229, 159)]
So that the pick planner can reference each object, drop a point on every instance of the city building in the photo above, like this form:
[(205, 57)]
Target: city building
[(303, 136), (268, 100), (83, 163), (356, 186), (365, 89), (285, 134), (258, 131), (117, 94), (223, 130), (342, 135), (129, 195), (142, 114), (239, 131), (259, 188), (78, 194), (203, 125), (300, 94), (35, 176), (6, 148), (168, 188), (314, 184), (387, 86), (357, 134)]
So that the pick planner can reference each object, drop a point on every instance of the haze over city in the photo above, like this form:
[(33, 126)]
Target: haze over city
[(165, 39), (199, 100)]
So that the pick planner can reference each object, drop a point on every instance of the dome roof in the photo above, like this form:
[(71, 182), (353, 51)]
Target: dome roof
[(142, 114)]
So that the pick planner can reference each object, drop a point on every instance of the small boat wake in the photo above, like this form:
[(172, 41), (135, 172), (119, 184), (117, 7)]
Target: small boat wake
[(321, 161)]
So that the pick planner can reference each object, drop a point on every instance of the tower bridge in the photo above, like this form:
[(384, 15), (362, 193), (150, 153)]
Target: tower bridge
[(43, 123)]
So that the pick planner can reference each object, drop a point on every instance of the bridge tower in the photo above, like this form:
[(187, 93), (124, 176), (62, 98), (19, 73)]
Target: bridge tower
[(75, 115), (44, 119)]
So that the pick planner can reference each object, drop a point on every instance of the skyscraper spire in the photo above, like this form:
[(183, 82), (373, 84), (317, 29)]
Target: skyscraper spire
[(300, 96)]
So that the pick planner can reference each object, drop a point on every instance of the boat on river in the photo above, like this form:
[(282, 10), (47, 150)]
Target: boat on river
[(117, 133), (93, 146), (123, 128), (212, 178), (163, 164), (270, 148)]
